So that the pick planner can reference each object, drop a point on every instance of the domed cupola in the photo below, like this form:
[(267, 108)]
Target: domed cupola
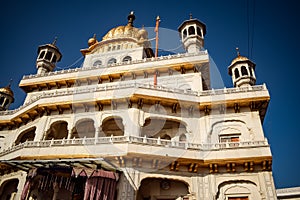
[(192, 34), (242, 71), (128, 31), (6, 97), (48, 56)]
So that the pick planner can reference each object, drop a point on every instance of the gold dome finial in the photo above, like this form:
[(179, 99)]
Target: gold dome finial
[(54, 41), (92, 40), (131, 18), (237, 51)]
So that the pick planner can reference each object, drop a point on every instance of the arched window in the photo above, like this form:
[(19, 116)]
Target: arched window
[(48, 55), (27, 135), (54, 58), (112, 61), (244, 71), (1, 100), (42, 55), (57, 130), (184, 33), (112, 126), (9, 188), (84, 128), (127, 59), (166, 137), (199, 31), (250, 70), (157, 127), (182, 138), (236, 73), (97, 63), (191, 30)]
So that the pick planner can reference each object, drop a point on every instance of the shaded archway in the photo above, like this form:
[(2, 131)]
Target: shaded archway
[(112, 126), (27, 135), (8, 189), (159, 189), (163, 128), (84, 128), (57, 130)]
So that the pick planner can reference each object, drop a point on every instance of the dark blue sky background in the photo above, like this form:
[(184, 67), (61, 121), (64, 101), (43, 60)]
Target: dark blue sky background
[(275, 49)]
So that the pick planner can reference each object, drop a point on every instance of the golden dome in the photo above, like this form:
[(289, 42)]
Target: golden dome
[(127, 31), (7, 90), (238, 59), (122, 32)]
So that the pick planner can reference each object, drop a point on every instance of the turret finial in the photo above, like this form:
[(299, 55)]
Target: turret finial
[(191, 16), (54, 41), (131, 18), (237, 51), (10, 82)]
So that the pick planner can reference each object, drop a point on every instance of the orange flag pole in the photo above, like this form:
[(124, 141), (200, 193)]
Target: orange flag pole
[(156, 46)]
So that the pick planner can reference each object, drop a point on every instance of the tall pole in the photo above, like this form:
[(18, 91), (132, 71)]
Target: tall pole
[(156, 46)]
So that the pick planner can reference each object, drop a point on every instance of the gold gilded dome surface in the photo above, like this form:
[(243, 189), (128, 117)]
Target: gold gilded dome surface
[(7, 90), (122, 32), (239, 58), (127, 31)]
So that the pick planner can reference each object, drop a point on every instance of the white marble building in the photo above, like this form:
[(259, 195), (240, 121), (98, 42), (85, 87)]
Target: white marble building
[(105, 130)]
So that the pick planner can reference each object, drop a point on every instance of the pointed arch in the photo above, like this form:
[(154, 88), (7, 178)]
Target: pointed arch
[(112, 125), (57, 130), (163, 128), (84, 128), (244, 71), (27, 135)]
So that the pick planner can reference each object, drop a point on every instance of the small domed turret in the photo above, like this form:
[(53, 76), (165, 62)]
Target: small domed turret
[(242, 71), (6, 97), (192, 34), (48, 55)]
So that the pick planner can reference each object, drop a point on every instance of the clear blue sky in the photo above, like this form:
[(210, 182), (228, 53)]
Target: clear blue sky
[(27, 24)]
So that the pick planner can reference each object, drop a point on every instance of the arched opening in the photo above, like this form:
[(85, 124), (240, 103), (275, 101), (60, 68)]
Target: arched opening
[(244, 71), (112, 61), (250, 70), (127, 59), (42, 54), (2, 100), (57, 130), (199, 31), (163, 128), (54, 58), (112, 126), (9, 189), (184, 33), (97, 63), (162, 189), (182, 138), (48, 55), (27, 135), (191, 30), (84, 128), (236, 73)]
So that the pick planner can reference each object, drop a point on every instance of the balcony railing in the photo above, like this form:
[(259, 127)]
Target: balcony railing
[(133, 140), (145, 60), (99, 88)]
